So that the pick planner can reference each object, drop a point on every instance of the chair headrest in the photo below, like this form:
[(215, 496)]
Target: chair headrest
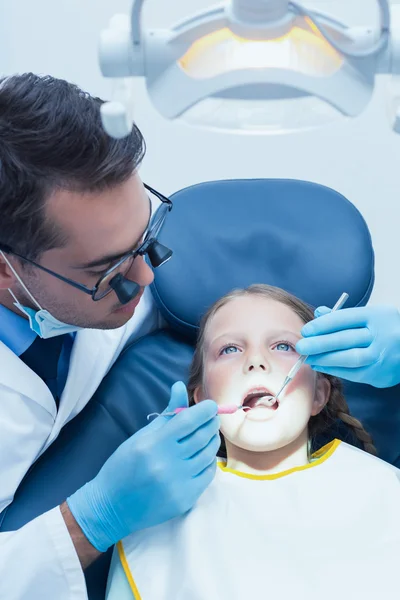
[(300, 236)]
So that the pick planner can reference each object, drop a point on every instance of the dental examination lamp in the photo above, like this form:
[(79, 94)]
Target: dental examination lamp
[(264, 66)]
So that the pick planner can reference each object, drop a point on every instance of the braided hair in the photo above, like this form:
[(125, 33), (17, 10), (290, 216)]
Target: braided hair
[(337, 408)]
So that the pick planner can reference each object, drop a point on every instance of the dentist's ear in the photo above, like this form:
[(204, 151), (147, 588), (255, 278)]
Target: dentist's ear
[(321, 395), (7, 277)]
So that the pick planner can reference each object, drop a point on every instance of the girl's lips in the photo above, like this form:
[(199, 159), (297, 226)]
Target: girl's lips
[(255, 394)]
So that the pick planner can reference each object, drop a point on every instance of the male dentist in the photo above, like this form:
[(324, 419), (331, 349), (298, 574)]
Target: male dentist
[(75, 225)]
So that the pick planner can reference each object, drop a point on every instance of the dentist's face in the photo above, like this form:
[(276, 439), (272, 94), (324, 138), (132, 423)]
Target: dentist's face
[(99, 228), (249, 349)]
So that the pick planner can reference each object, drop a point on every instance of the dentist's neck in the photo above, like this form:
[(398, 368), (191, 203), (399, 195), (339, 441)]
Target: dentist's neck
[(293, 455)]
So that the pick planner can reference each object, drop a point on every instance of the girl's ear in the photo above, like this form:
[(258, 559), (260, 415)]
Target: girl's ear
[(198, 395), (322, 394)]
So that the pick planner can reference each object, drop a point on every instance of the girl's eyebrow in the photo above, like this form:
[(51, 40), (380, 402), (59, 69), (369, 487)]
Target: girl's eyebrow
[(271, 334)]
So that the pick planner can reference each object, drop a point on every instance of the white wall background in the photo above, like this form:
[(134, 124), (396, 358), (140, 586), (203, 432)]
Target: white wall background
[(360, 159)]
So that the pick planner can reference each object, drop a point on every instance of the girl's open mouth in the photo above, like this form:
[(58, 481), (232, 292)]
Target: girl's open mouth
[(260, 398)]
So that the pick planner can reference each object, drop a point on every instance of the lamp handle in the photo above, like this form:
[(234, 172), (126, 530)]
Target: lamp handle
[(364, 53), (136, 21)]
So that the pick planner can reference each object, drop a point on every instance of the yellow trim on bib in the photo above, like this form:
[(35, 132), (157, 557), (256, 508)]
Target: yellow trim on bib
[(125, 566), (321, 456), (326, 448)]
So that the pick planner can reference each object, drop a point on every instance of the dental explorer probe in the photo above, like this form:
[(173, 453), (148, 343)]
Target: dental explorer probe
[(296, 367), (222, 410)]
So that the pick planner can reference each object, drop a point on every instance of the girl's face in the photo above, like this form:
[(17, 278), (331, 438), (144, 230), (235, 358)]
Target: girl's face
[(249, 349)]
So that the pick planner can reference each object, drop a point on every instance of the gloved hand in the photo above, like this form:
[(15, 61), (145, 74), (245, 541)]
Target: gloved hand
[(155, 475), (358, 344)]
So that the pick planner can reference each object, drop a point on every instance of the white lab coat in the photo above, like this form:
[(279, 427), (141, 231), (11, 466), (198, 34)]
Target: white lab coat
[(39, 560)]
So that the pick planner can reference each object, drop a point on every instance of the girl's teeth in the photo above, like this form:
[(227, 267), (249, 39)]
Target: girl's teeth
[(266, 400)]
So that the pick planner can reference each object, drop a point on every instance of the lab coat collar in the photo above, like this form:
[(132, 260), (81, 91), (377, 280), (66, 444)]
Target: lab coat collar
[(91, 356), (16, 376)]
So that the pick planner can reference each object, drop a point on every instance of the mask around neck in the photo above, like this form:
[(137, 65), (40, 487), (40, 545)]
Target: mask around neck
[(44, 324), (41, 321)]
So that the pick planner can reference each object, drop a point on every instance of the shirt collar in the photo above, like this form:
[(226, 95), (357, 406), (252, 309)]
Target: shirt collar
[(15, 331)]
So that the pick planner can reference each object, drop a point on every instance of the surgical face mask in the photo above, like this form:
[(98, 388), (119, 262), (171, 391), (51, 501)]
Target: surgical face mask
[(40, 321)]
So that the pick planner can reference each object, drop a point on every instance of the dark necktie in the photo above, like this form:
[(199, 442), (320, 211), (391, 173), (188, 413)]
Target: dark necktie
[(42, 357)]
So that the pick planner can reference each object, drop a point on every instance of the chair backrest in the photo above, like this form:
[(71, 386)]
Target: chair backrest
[(300, 236)]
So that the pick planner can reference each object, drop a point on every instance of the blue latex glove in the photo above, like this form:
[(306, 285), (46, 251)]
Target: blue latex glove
[(156, 475), (358, 344)]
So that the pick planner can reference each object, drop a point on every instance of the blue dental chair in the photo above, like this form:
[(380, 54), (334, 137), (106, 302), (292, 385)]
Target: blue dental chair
[(300, 236)]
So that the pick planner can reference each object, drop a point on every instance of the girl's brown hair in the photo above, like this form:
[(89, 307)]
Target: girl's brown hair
[(335, 408)]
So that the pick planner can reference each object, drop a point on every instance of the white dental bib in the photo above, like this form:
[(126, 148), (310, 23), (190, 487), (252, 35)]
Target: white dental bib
[(325, 531)]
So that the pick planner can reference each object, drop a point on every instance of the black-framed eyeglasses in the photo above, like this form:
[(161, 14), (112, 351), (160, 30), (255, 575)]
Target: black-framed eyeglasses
[(114, 279)]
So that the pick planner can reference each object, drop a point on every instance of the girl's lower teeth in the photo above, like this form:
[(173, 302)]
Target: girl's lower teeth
[(268, 401)]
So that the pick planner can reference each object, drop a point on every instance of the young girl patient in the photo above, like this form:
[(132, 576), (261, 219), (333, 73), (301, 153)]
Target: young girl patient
[(276, 523)]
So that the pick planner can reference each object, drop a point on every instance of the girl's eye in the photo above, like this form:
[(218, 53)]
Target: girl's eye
[(228, 350), (284, 347)]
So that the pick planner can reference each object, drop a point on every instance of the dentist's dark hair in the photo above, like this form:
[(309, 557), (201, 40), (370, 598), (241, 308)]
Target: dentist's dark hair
[(335, 409), (51, 137)]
